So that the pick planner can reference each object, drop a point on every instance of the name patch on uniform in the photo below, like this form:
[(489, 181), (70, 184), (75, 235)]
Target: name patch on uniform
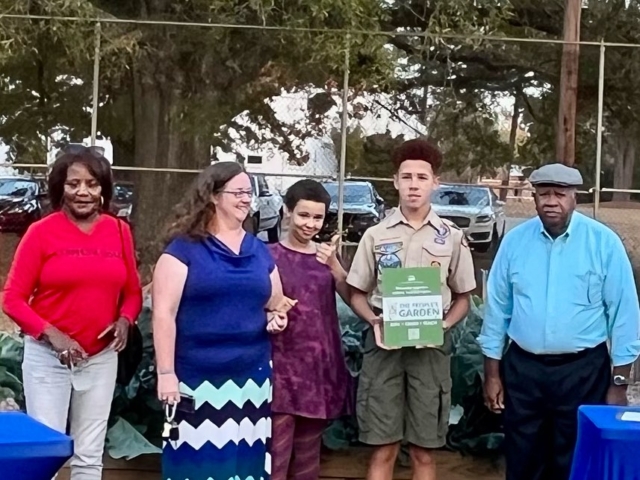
[(388, 248)]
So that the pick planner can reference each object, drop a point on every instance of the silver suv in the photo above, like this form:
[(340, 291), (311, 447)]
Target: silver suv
[(266, 210)]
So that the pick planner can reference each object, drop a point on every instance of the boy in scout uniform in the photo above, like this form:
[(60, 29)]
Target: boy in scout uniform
[(405, 394)]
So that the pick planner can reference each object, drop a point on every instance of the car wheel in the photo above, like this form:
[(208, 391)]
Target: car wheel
[(273, 234)]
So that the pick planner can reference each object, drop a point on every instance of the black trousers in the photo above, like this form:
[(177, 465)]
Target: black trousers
[(542, 396)]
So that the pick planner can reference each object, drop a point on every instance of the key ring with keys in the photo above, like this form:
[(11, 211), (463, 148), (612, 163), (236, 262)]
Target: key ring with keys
[(170, 411)]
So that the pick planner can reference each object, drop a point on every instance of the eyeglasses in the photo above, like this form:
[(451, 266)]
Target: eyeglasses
[(239, 193), (79, 149)]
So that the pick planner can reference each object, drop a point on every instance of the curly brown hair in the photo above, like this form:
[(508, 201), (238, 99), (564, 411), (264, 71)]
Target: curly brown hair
[(194, 214)]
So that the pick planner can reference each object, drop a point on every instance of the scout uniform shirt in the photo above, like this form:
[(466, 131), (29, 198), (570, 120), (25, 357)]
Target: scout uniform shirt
[(394, 243)]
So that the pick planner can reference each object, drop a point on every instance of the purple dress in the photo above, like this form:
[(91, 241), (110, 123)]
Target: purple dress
[(310, 376)]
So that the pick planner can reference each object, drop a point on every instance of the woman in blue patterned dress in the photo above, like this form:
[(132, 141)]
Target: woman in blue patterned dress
[(212, 289)]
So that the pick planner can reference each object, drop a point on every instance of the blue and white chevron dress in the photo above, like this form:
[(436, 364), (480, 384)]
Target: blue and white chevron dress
[(222, 360)]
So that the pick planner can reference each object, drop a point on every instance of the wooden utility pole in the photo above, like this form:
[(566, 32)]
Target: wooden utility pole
[(513, 137), (566, 133)]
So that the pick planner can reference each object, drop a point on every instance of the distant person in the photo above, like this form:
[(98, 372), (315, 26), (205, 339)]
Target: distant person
[(560, 287), (405, 394), (310, 378), (74, 291), (212, 288)]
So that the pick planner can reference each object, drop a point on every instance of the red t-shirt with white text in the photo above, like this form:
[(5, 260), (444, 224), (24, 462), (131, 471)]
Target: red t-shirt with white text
[(78, 282)]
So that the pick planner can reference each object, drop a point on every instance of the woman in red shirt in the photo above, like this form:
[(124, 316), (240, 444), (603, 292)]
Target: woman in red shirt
[(74, 291)]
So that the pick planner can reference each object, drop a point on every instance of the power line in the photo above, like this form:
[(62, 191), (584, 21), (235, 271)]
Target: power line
[(449, 36)]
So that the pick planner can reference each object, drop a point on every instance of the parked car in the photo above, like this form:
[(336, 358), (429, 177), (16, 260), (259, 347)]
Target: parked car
[(475, 209), (266, 210), (362, 207), (23, 201), (122, 201)]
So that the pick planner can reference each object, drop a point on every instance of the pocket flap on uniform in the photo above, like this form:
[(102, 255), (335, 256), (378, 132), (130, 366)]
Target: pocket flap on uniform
[(438, 250)]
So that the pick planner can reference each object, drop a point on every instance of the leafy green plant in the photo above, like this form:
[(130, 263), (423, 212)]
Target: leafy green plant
[(478, 431), (11, 347), (136, 415)]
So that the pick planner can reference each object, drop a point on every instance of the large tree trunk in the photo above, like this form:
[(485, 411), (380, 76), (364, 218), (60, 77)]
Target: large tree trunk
[(161, 141), (625, 159)]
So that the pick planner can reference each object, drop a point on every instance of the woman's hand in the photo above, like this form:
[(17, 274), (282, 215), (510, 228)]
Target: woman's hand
[(168, 388), (285, 305), (120, 334), (69, 352), (276, 322), (326, 252)]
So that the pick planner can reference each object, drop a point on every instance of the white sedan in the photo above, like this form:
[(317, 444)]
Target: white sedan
[(475, 209)]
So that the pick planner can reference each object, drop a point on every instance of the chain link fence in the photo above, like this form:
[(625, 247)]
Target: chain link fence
[(293, 103)]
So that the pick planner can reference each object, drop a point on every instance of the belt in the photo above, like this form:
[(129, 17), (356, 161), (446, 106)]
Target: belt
[(559, 358)]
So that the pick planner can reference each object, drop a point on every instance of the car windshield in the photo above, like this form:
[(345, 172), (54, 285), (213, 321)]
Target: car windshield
[(17, 188), (460, 196), (353, 193)]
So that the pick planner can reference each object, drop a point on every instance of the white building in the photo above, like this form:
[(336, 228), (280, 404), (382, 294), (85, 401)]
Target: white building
[(372, 114)]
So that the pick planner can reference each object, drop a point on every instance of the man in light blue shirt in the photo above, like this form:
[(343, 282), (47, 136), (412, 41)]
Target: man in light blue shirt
[(560, 289)]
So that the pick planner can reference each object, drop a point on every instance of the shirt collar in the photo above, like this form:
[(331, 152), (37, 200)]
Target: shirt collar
[(432, 219), (575, 219)]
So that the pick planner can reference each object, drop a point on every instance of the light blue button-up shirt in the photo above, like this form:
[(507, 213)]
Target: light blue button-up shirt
[(563, 295)]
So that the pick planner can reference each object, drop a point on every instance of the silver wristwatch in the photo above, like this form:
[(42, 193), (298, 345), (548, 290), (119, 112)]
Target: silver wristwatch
[(620, 380)]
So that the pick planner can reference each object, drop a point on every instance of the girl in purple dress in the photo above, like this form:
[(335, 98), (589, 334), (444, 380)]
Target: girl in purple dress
[(310, 377)]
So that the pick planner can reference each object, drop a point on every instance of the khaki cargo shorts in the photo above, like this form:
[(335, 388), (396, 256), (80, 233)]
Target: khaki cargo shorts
[(404, 394)]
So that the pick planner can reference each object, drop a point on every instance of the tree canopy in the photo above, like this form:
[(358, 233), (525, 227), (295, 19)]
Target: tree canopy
[(169, 94)]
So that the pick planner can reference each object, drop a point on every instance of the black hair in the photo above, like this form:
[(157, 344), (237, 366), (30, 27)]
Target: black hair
[(98, 167), (309, 190), (418, 149)]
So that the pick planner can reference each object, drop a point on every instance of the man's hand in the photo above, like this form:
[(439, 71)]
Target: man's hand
[(120, 330), (326, 252), (617, 395), (493, 393), (69, 352)]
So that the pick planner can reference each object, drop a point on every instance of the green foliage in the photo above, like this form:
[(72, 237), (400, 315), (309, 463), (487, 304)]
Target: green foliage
[(136, 415), (210, 75), (478, 432), (11, 368)]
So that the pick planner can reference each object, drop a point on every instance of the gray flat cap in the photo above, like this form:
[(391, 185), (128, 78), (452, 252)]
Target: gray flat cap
[(556, 174)]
